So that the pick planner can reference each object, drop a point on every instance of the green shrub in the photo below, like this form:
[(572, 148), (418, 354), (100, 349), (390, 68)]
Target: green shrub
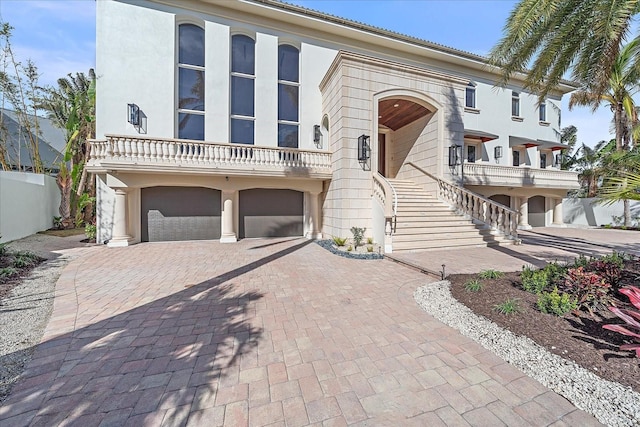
[(369, 240), (581, 261), (369, 248), (339, 241), (7, 272), (490, 274), (509, 306), (554, 303), (350, 248), (90, 231), (358, 235), (3, 249), (473, 285), (555, 273), (534, 281)]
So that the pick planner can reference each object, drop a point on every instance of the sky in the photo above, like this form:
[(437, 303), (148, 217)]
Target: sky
[(59, 36)]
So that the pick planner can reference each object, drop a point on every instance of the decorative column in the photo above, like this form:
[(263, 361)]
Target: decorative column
[(524, 214), (314, 213), (228, 234), (119, 236), (557, 213)]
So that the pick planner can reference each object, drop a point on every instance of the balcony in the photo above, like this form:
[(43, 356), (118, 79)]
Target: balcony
[(142, 154), (514, 176)]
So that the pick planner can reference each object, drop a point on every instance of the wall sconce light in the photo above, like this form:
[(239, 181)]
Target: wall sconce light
[(497, 152), (133, 114), (455, 155), (317, 135), (364, 151)]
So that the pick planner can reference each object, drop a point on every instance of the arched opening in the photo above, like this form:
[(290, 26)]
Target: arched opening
[(403, 120), (537, 211)]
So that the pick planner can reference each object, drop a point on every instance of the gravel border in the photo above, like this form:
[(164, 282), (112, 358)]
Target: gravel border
[(611, 403), (328, 245), (25, 312)]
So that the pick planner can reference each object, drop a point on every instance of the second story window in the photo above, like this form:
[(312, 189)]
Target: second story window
[(543, 160), (288, 95), (542, 110), (242, 89), (190, 82), (515, 104), (470, 96), (471, 153), (516, 158)]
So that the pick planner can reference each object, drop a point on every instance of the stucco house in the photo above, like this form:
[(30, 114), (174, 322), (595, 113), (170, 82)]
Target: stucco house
[(251, 118)]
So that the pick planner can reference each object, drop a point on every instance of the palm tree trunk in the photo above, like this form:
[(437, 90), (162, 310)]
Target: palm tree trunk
[(627, 213)]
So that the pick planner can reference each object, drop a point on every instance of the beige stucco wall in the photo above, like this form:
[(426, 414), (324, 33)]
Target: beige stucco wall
[(351, 91)]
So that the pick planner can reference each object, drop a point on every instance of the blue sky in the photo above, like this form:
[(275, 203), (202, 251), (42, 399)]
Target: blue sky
[(59, 35)]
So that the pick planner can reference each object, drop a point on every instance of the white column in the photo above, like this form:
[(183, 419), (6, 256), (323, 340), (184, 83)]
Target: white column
[(119, 236), (524, 214), (228, 234), (314, 213), (557, 212)]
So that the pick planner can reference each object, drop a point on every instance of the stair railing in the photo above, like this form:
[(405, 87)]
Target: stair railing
[(495, 215), (385, 193)]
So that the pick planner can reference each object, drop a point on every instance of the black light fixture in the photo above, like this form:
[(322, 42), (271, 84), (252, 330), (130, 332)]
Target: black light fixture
[(133, 114), (317, 135), (455, 155), (497, 152), (364, 151)]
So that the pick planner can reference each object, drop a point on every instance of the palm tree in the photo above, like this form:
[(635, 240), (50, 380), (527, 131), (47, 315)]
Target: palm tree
[(623, 83), (587, 164), (71, 106), (553, 37)]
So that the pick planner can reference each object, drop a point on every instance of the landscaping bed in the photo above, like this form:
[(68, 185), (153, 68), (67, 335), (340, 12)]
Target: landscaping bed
[(14, 266), (577, 335)]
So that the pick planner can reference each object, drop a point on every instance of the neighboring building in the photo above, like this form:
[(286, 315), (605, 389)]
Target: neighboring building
[(14, 140), (259, 118)]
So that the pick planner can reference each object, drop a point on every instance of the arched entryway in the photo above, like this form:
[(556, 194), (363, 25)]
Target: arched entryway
[(403, 120), (537, 211)]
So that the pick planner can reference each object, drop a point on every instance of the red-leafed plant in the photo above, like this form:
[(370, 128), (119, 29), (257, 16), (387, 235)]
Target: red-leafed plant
[(589, 288), (631, 318)]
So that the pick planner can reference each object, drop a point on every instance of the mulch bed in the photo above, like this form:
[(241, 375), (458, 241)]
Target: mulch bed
[(8, 283), (578, 338)]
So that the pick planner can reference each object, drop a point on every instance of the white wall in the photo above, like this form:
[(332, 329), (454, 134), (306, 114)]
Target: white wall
[(588, 212), (28, 203)]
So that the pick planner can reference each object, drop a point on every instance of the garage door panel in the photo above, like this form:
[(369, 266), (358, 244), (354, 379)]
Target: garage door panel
[(180, 213), (271, 213)]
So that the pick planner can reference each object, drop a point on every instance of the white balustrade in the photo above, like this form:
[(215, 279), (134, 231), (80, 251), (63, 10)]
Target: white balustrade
[(488, 174), (141, 150)]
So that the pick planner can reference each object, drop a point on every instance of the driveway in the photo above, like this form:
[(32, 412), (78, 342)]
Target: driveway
[(262, 332)]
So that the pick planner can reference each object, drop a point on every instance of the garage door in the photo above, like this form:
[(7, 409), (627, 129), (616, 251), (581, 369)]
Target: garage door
[(536, 211), (271, 213), (179, 213)]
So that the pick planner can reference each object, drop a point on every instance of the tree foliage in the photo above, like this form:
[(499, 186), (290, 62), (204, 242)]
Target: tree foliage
[(547, 39)]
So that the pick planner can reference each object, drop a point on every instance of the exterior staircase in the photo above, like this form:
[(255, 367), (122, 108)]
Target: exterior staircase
[(424, 222)]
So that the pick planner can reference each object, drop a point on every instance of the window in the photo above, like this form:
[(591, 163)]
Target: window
[(288, 95), (542, 109), (470, 96), (515, 104), (190, 82), (543, 160), (516, 158), (242, 89), (471, 153)]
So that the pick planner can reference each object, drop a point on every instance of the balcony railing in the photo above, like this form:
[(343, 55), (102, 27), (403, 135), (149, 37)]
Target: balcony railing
[(515, 176), (158, 154)]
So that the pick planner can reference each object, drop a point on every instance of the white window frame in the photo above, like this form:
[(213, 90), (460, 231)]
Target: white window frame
[(244, 76), (471, 88), (186, 67), (515, 102), (290, 83), (542, 108)]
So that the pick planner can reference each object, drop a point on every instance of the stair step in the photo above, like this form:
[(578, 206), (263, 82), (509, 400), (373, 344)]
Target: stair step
[(400, 247)]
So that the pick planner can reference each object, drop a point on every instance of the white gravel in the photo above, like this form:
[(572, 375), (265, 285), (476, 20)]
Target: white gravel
[(25, 312), (610, 402)]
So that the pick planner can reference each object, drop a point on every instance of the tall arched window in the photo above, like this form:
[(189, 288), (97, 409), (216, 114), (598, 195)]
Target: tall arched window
[(190, 82), (242, 89), (288, 95)]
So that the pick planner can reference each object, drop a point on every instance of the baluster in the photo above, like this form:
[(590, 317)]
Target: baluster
[(134, 149), (500, 219)]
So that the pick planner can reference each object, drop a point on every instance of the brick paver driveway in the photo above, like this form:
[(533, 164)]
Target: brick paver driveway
[(261, 332)]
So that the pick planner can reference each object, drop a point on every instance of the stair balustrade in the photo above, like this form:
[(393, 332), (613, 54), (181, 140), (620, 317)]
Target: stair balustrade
[(388, 198), (495, 215)]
